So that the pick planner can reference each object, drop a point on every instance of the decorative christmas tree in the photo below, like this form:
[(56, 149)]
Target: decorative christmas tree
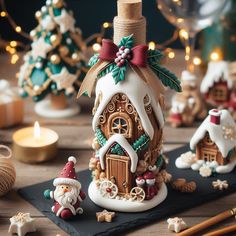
[(55, 65), (128, 120)]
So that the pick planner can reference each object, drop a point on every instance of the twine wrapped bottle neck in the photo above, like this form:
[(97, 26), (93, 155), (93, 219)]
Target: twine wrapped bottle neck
[(126, 27), (129, 20)]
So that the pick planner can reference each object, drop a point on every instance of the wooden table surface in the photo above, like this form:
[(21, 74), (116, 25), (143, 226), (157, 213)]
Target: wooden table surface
[(75, 139)]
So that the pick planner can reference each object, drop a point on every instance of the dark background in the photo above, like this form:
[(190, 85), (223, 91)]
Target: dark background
[(90, 14)]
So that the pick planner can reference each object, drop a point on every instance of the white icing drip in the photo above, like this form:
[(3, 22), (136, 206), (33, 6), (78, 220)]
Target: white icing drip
[(125, 205), (223, 169), (120, 139), (135, 89), (216, 133), (216, 70)]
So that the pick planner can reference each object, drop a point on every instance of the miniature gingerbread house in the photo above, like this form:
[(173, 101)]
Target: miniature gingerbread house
[(217, 84), (128, 121), (215, 139)]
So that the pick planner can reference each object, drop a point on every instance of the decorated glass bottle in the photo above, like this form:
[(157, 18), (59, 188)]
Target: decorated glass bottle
[(128, 165)]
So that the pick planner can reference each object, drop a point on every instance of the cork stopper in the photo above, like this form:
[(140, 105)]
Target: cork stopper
[(129, 9), (129, 20)]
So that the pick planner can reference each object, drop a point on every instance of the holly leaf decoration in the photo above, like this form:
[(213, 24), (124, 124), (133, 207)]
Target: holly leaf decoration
[(167, 78), (105, 70), (93, 60), (154, 56), (118, 73), (127, 42)]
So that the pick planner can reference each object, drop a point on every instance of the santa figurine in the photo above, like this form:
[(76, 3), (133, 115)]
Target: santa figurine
[(140, 182), (151, 189), (68, 194)]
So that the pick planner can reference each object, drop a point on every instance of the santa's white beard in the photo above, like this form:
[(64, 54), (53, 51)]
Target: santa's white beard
[(67, 199)]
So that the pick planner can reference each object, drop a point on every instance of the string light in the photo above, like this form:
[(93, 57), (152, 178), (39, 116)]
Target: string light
[(183, 34), (11, 47), (96, 47), (215, 56), (13, 43), (14, 59), (151, 45), (171, 54), (197, 61), (106, 25), (18, 29), (3, 14)]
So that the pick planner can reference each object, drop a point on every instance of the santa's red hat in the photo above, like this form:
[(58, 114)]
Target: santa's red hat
[(68, 175)]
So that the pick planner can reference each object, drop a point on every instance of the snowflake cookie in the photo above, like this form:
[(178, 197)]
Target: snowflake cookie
[(220, 184), (176, 224), (205, 171)]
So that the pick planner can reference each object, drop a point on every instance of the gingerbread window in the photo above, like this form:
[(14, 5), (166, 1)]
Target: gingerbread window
[(120, 123), (220, 93), (207, 140)]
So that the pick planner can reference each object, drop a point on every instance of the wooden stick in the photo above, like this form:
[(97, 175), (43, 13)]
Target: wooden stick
[(58, 102), (207, 223), (223, 231)]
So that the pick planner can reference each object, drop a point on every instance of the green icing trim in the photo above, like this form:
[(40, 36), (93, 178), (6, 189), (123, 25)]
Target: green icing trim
[(117, 149), (118, 73), (127, 42), (140, 144), (167, 78), (57, 11), (160, 161), (93, 60)]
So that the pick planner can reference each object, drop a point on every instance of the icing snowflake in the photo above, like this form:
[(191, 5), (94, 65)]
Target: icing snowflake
[(176, 224), (205, 171), (188, 157), (64, 80), (40, 48), (65, 21), (220, 184), (21, 224), (229, 132)]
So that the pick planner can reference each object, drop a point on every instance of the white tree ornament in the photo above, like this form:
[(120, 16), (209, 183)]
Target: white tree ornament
[(64, 80), (65, 21), (40, 48), (48, 23)]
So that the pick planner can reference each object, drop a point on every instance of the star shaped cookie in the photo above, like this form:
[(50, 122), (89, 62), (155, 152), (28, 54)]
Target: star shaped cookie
[(105, 216)]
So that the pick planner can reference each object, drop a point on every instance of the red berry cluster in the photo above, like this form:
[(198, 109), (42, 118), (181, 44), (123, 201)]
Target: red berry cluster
[(124, 53)]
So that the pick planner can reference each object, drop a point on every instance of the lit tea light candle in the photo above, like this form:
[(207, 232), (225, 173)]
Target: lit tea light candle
[(35, 144)]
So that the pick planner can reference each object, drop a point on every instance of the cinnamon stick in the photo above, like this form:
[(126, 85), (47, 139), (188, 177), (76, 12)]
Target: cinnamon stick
[(207, 223), (223, 231)]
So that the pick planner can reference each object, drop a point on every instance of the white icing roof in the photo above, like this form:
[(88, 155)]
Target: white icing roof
[(216, 70), (216, 133), (135, 89), (120, 139)]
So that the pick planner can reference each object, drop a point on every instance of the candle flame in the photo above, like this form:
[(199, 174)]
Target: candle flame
[(36, 130)]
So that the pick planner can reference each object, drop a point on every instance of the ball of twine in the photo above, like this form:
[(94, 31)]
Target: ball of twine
[(7, 171)]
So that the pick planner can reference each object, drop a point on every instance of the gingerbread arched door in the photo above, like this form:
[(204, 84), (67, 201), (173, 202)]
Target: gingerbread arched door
[(118, 171)]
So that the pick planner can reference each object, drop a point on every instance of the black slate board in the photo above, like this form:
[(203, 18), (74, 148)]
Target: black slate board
[(86, 224)]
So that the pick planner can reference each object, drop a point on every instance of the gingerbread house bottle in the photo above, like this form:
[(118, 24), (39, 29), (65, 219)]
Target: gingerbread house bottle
[(128, 124)]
